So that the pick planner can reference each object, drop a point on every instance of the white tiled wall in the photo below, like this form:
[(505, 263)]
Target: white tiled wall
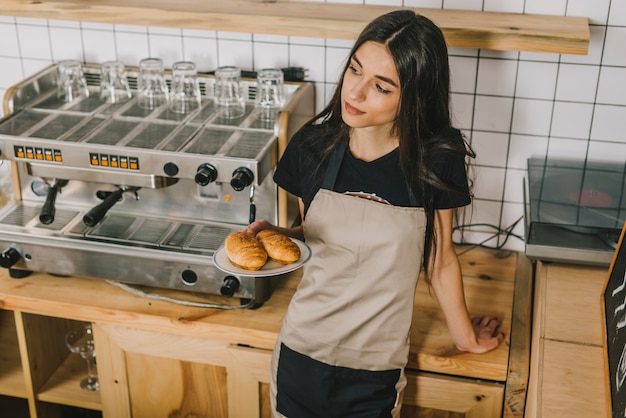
[(511, 105)]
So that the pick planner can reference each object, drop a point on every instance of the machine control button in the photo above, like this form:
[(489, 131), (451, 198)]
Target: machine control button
[(171, 169), (205, 174), (242, 178), (9, 257)]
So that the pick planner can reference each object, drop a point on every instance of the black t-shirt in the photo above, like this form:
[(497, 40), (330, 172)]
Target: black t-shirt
[(298, 173)]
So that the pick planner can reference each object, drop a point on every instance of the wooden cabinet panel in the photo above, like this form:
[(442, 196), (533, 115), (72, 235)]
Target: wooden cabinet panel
[(426, 395), (567, 370), (12, 381), (437, 396), (156, 374), (573, 303), (170, 388), (572, 381)]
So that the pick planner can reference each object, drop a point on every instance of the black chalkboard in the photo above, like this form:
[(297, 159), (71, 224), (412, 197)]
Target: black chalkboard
[(614, 296)]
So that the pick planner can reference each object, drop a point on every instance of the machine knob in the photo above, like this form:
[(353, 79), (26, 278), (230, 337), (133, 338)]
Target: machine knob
[(205, 174), (229, 287), (242, 178), (9, 257), (171, 169)]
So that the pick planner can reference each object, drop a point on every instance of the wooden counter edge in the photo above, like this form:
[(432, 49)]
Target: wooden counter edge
[(519, 351), (462, 28), (161, 316)]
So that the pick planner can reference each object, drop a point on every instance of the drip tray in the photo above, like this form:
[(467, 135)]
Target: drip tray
[(121, 229)]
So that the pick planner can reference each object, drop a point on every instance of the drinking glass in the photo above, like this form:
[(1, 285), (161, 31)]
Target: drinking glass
[(185, 96), (270, 95), (228, 94), (80, 341), (151, 85), (71, 82), (113, 83)]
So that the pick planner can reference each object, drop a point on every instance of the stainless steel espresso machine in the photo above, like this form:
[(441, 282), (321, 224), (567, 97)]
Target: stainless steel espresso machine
[(145, 197)]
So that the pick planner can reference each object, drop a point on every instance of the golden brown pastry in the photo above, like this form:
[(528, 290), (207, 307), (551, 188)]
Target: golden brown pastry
[(245, 251), (279, 247)]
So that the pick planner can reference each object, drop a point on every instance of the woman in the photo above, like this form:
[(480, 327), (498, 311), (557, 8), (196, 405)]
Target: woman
[(378, 173)]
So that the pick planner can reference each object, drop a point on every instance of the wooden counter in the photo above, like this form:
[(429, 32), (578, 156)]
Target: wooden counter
[(462, 28), (142, 341), (568, 374)]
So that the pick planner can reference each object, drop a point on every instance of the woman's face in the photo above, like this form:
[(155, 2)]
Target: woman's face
[(370, 94)]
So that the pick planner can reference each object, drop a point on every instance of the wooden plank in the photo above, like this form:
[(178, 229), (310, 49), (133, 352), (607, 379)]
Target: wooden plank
[(572, 381), (26, 363), (45, 295), (535, 382), (573, 308), (519, 351), (63, 387), (161, 344), (487, 265), (11, 375), (462, 28), (247, 368), (112, 375), (43, 350), (437, 352), (164, 387), (467, 398)]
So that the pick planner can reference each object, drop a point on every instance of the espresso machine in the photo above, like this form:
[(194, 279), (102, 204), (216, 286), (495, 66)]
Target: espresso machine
[(140, 196)]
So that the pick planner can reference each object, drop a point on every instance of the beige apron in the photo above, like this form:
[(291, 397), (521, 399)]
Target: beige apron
[(354, 304)]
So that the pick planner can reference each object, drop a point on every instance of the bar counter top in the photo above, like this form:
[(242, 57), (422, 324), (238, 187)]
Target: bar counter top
[(489, 286)]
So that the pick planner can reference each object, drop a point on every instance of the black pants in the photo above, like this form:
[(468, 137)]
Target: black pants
[(308, 388)]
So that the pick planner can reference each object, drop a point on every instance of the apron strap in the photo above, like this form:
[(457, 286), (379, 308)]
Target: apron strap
[(334, 164)]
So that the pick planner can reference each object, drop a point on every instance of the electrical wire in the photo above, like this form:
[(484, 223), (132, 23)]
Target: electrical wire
[(154, 296), (507, 232)]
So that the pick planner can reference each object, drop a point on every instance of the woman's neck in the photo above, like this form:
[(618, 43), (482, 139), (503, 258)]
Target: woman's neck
[(371, 144)]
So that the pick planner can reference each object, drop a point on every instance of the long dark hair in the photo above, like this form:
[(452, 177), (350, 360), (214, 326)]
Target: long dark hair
[(423, 123)]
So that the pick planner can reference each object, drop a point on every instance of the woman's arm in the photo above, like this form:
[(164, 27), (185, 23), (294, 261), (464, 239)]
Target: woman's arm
[(295, 232), (477, 335)]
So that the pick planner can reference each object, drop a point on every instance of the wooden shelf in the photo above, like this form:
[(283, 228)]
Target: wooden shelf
[(63, 387), (462, 28)]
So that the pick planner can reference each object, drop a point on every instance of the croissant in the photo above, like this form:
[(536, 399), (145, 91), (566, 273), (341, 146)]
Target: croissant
[(279, 247), (245, 251)]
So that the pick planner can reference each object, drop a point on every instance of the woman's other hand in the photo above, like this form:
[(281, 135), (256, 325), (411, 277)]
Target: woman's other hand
[(488, 335)]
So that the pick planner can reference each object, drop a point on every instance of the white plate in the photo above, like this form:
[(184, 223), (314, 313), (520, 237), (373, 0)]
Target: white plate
[(271, 268)]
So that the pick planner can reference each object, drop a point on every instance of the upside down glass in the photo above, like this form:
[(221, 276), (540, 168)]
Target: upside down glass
[(228, 94), (270, 95), (114, 86), (71, 82), (151, 85), (185, 96)]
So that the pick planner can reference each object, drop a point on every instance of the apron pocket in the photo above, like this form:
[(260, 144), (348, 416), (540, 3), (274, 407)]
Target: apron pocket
[(307, 388)]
